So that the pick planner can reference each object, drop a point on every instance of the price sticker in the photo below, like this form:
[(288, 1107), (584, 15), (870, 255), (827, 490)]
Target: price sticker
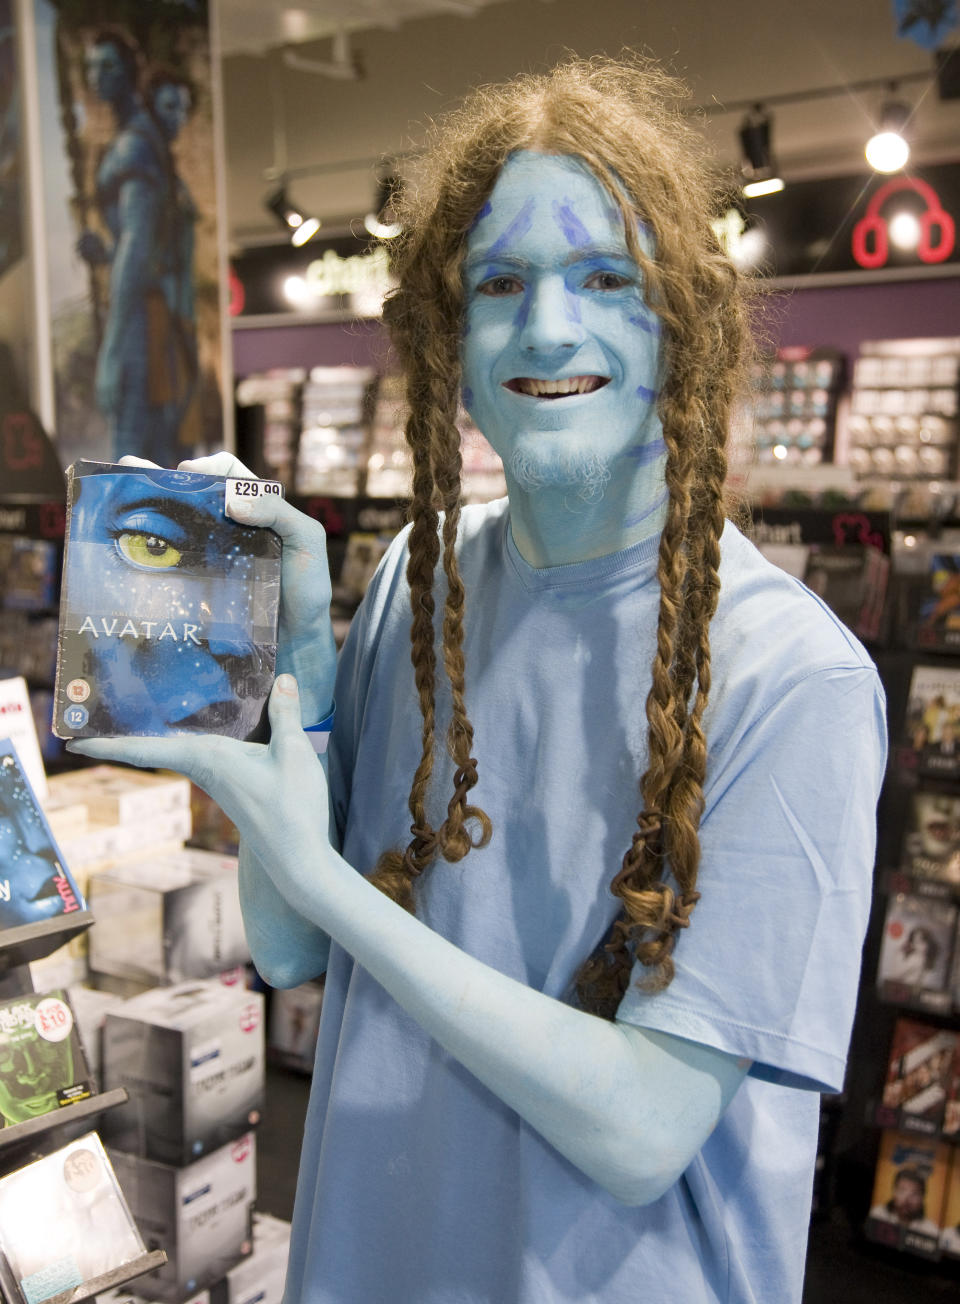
[(53, 1020), (248, 491)]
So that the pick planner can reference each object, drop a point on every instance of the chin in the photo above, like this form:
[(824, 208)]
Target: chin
[(536, 469)]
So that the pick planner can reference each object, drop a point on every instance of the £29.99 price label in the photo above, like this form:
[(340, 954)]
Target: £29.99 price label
[(245, 491)]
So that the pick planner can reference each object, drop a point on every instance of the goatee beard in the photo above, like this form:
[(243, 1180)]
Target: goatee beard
[(585, 475)]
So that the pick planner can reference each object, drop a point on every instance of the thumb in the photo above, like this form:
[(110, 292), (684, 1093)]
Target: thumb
[(283, 707)]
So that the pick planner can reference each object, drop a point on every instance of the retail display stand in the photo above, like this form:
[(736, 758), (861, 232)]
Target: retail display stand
[(50, 1175), (917, 1106)]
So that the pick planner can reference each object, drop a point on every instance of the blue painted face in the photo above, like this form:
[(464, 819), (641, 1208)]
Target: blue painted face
[(561, 356), (164, 590)]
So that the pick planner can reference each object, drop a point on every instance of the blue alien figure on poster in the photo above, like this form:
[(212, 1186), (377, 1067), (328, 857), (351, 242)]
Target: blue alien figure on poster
[(147, 365), (169, 610), (34, 885)]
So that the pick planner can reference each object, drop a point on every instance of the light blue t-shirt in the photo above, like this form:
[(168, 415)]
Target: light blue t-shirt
[(417, 1185)]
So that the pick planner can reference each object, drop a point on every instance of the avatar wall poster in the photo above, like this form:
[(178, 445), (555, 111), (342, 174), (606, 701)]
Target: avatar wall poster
[(130, 234)]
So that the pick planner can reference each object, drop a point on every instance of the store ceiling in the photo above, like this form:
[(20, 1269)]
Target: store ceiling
[(328, 127), (249, 27)]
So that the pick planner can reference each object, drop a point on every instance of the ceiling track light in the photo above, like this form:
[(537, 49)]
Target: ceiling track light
[(297, 225), (887, 150), (757, 167), (382, 221)]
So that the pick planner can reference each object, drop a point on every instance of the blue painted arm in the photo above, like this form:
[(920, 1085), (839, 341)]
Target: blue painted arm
[(629, 1108)]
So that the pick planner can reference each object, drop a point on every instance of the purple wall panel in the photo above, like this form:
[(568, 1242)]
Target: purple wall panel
[(327, 344), (841, 317), (837, 317)]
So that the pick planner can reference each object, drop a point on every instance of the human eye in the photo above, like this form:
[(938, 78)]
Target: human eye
[(151, 551), (605, 279), (499, 286)]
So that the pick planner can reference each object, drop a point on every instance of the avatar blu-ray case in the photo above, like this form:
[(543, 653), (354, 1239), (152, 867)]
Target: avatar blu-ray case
[(168, 609), (41, 906)]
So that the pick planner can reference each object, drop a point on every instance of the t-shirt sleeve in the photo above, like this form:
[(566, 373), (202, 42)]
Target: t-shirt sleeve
[(769, 966)]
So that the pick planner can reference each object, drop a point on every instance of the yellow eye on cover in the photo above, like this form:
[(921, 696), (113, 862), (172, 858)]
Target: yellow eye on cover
[(150, 550)]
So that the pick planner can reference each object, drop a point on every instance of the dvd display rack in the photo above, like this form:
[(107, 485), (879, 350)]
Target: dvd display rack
[(915, 1204), (53, 1167)]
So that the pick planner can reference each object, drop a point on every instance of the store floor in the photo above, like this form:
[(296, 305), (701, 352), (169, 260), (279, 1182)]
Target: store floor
[(841, 1269)]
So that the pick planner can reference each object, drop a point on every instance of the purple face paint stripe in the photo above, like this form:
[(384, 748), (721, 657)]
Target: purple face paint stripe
[(467, 396), (655, 506), (648, 324), (572, 229), (646, 453), (517, 229), (485, 211), (648, 395)]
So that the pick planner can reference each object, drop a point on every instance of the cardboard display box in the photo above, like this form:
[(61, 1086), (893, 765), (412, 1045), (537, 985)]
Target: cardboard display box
[(167, 919), (199, 1214), (192, 1060)]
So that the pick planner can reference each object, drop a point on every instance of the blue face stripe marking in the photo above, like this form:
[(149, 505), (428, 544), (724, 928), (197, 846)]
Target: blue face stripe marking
[(655, 506), (643, 454), (648, 324), (467, 396), (648, 395), (485, 211), (517, 229), (572, 229)]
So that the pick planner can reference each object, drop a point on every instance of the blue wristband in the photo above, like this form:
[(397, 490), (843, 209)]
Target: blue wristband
[(319, 734)]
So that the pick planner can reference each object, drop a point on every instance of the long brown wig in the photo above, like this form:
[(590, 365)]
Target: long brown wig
[(624, 120)]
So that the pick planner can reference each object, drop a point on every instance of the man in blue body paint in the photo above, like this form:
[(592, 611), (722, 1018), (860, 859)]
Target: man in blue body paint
[(475, 1132)]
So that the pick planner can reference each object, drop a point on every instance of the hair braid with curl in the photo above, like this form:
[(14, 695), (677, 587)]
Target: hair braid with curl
[(623, 119)]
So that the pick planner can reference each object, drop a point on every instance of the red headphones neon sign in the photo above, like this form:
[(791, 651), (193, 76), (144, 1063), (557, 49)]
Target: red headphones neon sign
[(870, 245)]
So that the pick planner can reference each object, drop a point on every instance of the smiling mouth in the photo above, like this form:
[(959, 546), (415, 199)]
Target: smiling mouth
[(556, 388)]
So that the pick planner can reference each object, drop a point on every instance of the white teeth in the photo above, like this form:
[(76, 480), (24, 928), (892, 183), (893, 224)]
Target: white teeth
[(568, 385)]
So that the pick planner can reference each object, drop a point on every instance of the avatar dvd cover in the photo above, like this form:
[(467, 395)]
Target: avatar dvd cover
[(168, 608), (40, 903)]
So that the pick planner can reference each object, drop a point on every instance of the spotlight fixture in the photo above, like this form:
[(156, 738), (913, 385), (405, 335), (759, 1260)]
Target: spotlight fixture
[(757, 166), (307, 229), (299, 227), (382, 221), (887, 149)]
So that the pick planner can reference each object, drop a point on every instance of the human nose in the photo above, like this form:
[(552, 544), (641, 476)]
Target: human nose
[(550, 318)]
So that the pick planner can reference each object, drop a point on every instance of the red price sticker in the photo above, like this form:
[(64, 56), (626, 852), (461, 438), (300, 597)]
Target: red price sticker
[(53, 1020)]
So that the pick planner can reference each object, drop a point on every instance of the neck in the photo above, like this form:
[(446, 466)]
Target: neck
[(558, 525)]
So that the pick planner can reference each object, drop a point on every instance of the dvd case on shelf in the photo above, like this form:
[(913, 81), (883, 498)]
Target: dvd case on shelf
[(168, 611), (950, 1233), (43, 1067), (932, 724), (935, 615), (40, 903), (64, 1222), (918, 1076), (916, 951), (17, 723), (908, 1192), (931, 845)]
